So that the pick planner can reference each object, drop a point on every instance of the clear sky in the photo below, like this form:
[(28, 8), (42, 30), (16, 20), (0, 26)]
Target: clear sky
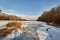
[(27, 7)]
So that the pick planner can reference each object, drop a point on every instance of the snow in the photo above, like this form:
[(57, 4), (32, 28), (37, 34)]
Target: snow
[(33, 30)]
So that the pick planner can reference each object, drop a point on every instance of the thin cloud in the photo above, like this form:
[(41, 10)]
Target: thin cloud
[(28, 17), (11, 10)]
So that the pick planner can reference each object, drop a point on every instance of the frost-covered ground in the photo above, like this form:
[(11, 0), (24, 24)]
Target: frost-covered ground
[(34, 31)]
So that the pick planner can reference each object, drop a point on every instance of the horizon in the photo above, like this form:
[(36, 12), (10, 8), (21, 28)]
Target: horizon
[(28, 9)]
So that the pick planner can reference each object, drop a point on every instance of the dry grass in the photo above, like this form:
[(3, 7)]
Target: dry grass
[(9, 28), (5, 32)]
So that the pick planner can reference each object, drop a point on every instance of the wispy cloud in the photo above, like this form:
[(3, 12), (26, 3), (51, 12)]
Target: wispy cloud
[(11, 10), (29, 17), (8, 10)]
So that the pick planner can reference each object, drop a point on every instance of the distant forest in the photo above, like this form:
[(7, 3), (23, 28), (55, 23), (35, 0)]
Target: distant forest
[(4, 16), (51, 16)]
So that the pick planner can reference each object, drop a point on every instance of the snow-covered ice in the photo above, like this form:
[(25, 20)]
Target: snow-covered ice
[(35, 31)]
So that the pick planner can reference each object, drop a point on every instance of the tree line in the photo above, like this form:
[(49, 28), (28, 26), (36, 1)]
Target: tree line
[(51, 16), (4, 16)]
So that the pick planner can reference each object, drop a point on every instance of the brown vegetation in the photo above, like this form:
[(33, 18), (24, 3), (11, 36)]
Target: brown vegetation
[(5, 32), (14, 25), (4, 16), (9, 28), (52, 16)]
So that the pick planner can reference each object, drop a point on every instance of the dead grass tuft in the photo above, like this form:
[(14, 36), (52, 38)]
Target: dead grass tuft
[(9, 28)]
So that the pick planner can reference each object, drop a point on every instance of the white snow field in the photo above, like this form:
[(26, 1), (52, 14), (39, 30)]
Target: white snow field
[(34, 31)]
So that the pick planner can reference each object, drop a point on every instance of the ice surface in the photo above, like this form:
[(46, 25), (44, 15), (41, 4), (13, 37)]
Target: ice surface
[(35, 31)]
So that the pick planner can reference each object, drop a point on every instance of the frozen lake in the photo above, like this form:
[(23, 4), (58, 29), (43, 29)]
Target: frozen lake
[(35, 31)]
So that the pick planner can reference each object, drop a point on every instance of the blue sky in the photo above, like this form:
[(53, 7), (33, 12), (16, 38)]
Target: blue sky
[(27, 7)]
